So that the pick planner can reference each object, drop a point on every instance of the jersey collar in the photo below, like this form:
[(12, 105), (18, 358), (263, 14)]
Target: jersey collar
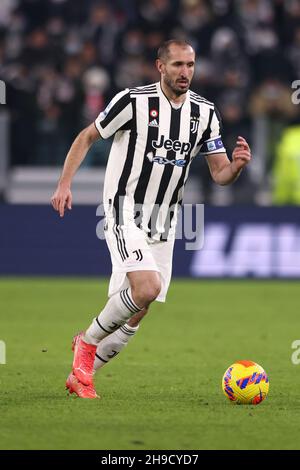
[(160, 91)]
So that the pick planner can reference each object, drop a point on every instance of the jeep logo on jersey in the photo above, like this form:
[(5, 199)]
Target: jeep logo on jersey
[(169, 144)]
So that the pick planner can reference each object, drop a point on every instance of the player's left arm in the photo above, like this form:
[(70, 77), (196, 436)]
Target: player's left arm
[(224, 171)]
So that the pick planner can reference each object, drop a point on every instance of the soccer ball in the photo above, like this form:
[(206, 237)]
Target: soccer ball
[(245, 383)]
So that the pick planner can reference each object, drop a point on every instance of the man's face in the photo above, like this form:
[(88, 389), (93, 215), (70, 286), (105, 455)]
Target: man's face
[(177, 69)]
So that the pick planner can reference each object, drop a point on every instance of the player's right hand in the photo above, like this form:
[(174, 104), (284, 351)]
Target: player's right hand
[(62, 199)]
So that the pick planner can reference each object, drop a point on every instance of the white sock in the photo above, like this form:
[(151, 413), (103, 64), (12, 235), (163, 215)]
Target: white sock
[(110, 346), (119, 308)]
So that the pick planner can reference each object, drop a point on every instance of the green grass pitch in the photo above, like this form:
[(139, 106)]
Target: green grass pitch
[(164, 390)]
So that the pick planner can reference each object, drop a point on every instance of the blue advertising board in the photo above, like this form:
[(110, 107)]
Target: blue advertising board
[(237, 241)]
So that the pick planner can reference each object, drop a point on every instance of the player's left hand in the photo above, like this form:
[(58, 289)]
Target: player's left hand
[(241, 154)]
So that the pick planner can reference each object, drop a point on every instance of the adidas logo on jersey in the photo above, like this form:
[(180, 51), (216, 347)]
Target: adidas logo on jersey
[(153, 123)]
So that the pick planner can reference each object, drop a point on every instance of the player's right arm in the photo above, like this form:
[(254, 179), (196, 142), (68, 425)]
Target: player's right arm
[(62, 198), (116, 114)]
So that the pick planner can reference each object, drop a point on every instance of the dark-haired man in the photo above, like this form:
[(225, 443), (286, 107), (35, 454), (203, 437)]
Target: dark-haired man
[(158, 129)]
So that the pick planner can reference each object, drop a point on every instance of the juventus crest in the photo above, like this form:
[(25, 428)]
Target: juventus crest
[(194, 124)]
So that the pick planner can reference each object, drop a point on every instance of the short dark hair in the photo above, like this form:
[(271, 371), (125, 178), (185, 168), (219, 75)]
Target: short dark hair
[(163, 51)]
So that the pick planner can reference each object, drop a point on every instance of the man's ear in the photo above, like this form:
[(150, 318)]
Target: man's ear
[(159, 65)]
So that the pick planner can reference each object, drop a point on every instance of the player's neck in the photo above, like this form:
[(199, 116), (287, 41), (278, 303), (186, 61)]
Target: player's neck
[(173, 97)]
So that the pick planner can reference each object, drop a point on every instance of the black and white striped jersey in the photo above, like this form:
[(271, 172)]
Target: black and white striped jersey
[(154, 144)]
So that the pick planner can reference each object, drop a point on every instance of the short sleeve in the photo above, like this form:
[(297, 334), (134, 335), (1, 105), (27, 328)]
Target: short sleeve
[(117, 113), (211, 141)]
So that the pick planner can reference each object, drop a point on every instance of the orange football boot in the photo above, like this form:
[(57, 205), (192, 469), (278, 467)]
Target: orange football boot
[(76, 338), (84, 357), (82, 391)]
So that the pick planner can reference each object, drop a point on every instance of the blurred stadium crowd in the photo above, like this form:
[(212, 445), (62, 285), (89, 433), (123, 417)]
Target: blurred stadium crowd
[(62, 61)]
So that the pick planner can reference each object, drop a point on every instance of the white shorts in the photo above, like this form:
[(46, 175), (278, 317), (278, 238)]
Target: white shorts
[(131, 250)]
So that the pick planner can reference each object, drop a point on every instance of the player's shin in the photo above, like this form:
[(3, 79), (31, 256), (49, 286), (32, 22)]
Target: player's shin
[(113, 344), (119, 308)]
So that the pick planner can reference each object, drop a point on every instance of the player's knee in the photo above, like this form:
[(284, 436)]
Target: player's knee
[(147, 292), (152, 291)]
